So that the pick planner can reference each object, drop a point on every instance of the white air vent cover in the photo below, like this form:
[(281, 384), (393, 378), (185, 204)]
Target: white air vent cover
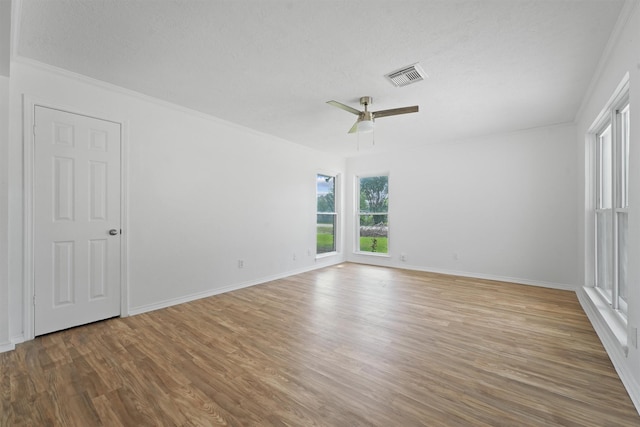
[(407, 75)]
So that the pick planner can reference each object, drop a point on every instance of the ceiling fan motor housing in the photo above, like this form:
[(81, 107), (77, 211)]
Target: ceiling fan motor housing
[(366, 115), (366, 100)]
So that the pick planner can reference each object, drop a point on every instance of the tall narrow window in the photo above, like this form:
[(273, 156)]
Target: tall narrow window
[(612, 206), (622, 204), (373, 214), (326, 218), (604, 212)]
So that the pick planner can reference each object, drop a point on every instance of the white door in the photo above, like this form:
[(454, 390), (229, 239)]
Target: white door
[(76, 220)]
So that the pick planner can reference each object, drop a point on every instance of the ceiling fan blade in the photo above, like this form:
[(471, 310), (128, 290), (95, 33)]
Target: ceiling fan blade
[(344, 107), (395, 111), (354, 128)]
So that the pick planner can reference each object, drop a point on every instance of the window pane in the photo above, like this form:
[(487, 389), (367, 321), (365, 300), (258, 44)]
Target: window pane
[(326, 229), (604, 251), (605, 169), (624, 158), (374, 233), (622, 255), (326, 217), (374, 194), (325, 193)]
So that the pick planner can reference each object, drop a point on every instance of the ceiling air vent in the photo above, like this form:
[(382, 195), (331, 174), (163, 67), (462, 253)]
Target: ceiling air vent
[(407, 75)]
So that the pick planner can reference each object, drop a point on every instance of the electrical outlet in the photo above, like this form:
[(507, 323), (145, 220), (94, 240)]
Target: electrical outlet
[(240, 263), (403, 257), (294, 256)]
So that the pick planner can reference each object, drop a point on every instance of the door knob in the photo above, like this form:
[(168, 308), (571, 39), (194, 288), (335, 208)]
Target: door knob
[(113, 232)]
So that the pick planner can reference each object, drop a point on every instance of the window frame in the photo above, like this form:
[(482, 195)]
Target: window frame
[(335, 213), (358, 213), (612, 242)]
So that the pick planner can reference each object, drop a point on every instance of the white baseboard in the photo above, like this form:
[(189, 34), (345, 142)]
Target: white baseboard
[(7, 346), (11, 345), (233, 287), (614, 344), (519, 281)]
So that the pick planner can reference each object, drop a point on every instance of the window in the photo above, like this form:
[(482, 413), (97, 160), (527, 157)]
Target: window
[(373, 214), (611, 203), (326, 218)]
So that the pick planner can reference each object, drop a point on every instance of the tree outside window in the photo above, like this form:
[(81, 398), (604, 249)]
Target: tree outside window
[(373, 230)]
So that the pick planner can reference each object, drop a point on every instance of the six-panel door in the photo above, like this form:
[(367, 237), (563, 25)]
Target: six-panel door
[(76, 204)]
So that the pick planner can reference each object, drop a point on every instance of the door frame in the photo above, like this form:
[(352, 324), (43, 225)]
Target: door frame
[(29, 105)]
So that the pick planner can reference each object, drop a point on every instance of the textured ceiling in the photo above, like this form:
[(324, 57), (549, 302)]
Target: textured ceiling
[(493, 66)]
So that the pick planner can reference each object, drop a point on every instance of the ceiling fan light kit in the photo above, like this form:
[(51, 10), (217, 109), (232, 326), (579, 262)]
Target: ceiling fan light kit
[(365, 126), (366, 118)]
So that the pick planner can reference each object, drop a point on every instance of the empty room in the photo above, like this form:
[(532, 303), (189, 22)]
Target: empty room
[(319, 213)]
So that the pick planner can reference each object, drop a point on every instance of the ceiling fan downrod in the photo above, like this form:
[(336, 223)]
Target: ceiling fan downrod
[(366, 114)]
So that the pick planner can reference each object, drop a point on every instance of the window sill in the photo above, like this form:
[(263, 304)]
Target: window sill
[(614, 320), (378, 254), (326, 254)]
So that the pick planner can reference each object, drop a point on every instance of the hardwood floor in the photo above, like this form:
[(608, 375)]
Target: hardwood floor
[(349, 345)]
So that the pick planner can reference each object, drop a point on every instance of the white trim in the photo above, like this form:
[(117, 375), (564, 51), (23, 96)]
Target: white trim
[(373, 254), (326, 254), (155, 101), (124, 218), (611, 342), (7, 346), (29, 104), (606, 118), (233, 287), (337, 211), (482, 276), (619, 95), (626, 12), (11, 345), (614, 319)]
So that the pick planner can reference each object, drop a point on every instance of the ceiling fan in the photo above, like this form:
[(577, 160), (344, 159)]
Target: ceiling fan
[(365, 120)]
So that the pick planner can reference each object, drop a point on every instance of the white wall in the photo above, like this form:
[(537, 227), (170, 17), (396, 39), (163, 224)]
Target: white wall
[(499, 207), (4, 284), (623, 57), (203, 194)]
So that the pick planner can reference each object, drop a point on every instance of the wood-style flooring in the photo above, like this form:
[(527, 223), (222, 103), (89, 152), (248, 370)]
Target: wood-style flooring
[(349, 345)]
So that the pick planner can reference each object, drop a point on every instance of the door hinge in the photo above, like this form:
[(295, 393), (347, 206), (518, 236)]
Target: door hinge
[(34, 299)]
